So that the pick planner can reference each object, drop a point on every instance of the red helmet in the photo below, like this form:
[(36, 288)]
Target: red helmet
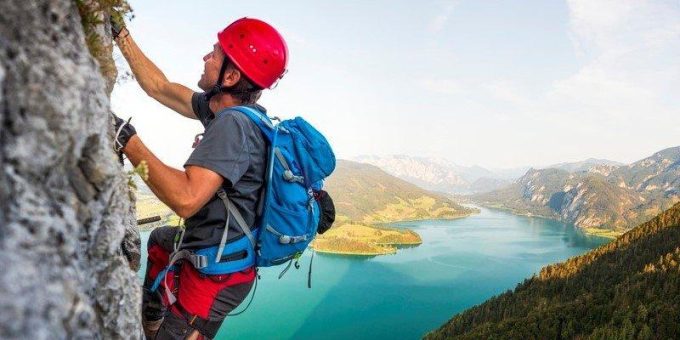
[(257, 49)]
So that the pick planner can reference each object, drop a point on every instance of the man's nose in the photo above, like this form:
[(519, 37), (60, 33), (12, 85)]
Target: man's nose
[(207, 56)]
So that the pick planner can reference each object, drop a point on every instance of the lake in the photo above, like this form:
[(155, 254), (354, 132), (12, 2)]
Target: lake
[(461, 263)]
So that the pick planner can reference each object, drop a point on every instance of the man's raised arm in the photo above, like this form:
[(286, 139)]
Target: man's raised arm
[(152, 80)]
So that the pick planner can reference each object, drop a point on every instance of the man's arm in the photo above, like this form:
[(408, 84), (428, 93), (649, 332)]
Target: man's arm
[(152, 80), (185, 192)]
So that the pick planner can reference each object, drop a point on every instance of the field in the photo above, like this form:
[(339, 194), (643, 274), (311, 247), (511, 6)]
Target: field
[(359, 239)]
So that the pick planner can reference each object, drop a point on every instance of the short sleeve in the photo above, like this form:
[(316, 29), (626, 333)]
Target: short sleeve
[(199, 103), (223, 149)]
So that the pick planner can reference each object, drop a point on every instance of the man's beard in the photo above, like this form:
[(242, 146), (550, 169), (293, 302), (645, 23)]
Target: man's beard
[(203, 84)]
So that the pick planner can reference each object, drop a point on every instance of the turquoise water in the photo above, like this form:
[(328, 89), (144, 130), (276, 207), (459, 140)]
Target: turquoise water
[(460, 264)]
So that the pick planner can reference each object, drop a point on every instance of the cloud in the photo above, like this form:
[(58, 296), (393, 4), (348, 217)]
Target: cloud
[(620, 100), (507, 91), (598, 20), (293, 37), (438, 23), (447, 86), (629, 52)]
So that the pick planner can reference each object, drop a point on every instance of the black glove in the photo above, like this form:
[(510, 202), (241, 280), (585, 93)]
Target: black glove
[(123, 132), (116, 26)]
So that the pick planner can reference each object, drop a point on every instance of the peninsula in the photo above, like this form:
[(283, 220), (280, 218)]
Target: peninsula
[(364, 240), (366, 198)]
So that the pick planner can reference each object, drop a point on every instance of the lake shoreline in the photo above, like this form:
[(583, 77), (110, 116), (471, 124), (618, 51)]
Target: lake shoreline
[(590, 231), (431, 218), (345, 253), (391, 249)]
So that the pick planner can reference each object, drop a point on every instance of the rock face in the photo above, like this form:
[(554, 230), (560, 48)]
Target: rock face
[(68, 246)]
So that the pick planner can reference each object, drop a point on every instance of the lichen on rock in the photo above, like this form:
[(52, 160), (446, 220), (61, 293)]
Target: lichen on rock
[(94, 18)]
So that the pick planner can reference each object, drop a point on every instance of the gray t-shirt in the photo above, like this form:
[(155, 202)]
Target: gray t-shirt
[(233, 147)]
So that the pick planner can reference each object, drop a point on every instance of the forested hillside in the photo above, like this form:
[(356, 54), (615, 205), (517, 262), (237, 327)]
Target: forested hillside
[(627, 289), (365, 193)]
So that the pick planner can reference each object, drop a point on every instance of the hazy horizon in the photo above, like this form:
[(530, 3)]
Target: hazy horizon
[(512, 167), (499, 84)]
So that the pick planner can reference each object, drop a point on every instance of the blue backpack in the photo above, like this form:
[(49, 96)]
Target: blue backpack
[(300, 158)]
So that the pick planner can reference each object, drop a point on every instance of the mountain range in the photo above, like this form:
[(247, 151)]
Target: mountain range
[(595, 195), (442, 175), (626, 289)]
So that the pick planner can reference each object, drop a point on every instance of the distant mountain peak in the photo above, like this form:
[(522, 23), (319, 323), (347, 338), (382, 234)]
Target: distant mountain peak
[(586, 165), (437, 173)]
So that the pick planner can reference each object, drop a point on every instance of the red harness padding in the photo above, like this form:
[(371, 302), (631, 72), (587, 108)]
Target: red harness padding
[(196, 292), (158, 260)]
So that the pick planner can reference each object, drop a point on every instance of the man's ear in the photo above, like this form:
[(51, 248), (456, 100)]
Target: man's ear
[(231, 77)]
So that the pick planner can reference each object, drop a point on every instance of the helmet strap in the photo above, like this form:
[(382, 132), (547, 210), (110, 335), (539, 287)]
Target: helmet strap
[(218, 86)]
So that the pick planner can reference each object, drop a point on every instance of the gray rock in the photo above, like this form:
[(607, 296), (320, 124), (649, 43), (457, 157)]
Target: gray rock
[(69, 247)]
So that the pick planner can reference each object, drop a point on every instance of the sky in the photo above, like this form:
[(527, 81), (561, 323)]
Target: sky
[(499, 84)]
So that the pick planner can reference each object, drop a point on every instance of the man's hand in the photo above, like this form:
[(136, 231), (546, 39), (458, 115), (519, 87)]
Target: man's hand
[(123, 132), (116, 26), (175, 96)]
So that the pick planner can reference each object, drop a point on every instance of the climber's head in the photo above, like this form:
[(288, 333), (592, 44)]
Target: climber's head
[(250, 55)]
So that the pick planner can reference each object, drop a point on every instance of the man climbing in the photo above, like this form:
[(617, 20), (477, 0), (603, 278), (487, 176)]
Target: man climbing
[(248, 57)]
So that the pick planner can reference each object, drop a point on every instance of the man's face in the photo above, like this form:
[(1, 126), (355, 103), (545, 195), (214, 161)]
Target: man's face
[(211, 68)]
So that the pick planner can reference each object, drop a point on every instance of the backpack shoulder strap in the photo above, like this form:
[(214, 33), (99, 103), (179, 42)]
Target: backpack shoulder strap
[(260, 119), (232, 211)]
